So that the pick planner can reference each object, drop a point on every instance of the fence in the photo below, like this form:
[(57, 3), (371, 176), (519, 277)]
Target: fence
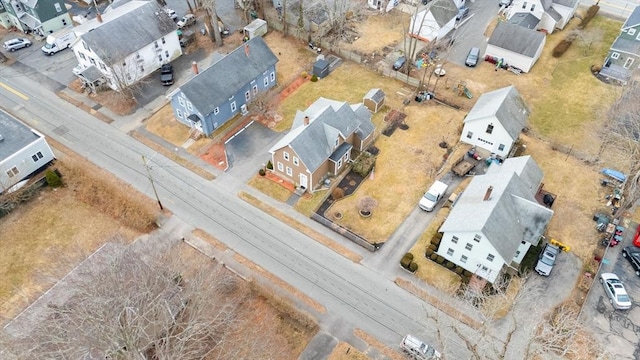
[(345, 232)]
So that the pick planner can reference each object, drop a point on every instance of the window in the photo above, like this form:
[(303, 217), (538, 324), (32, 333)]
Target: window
[(13, 172), (181, 101), (160, 57), (163, 41), (255, 89), (450, 252), (339, 165), (273, 76), (489, 128), (638, 37), (155, 44), (142, 69), (501, 147), (189, 106), (454, 239), (524, 5), (280, 166), (64, 22), (179, 113), (615, 55), (285, 155), (247, 96), (533, 6), (477, 238), (216, 111), (463, 259), (233, 106), (296, 162), (166, 54), (289, 171), (631, 31), (84, 44), (490, 257), (92, 61), (337, 142), (59, 8), (469, 135), (266, 82), (628, 62), (469, 246), (37, 156), (137, 55), (82, 56), (104, 68)]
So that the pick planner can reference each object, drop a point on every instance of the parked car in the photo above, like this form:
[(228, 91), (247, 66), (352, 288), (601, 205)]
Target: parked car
[(505, 3), (418, 349), (463, 12), (432, 196), (632, 254), (399, 63), (16, 44), (186, 20), (472, 57), (616, 292), (166, 74), (172, 14), (547, 259)]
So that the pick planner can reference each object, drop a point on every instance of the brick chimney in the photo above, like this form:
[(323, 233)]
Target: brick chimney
[(246, 49), (98, 17), (194, 67), (487, 195), (306, 120)]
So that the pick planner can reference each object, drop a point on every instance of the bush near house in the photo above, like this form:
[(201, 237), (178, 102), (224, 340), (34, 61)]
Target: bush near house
[(591, 13), (406, 260), (364, 164), (562, 47)]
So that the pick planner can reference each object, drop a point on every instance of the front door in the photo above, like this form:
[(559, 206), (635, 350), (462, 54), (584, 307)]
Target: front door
[(303, 181)]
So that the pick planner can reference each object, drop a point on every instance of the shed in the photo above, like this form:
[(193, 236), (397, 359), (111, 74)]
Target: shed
[(374, 100), (257, 27), (321, 68)]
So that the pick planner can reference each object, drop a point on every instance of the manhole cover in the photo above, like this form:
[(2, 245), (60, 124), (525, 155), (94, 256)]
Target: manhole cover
[(61, 130)]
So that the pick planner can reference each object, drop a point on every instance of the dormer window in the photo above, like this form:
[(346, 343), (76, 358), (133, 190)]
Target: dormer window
[(524, 5), (337, 142), (489, 128), (533, 6)]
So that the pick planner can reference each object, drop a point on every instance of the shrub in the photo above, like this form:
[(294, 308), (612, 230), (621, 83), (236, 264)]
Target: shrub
[(262, 172), (561, 48), (413, 267), (433, 256), (367, 204), (437, 237), (53, 179), (406, 261), (450, 265), (458, 270), (428, 252), (591, 13), (439, 259), (363, 164), (269, 165), (337, 193), (467, 273), (314, 78), (433, 247), (409, 255)]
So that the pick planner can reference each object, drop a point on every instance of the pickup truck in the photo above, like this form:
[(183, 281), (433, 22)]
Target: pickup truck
[(465, 164), (418, 349)]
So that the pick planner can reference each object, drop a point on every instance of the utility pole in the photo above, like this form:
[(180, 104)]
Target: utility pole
[(153, 186)]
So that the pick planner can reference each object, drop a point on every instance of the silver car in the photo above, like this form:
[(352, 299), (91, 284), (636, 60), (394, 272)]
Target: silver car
[(16, 44), (547, 259), (616, 292)]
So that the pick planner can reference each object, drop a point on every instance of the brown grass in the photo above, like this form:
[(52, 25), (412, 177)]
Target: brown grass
[(270, 188), (165, 125), (374, 343), (379, 31), (344, 351)]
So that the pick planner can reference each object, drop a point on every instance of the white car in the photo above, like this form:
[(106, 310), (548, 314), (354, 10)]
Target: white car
[(186, 20), (616, 292), (172, 14), (547, 259)]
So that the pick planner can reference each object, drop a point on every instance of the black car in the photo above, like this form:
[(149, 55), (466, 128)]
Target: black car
[(166, 74), (399, 63), (632, 254)]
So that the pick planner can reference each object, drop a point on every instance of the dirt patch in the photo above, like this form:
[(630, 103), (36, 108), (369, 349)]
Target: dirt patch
[(376, 31)]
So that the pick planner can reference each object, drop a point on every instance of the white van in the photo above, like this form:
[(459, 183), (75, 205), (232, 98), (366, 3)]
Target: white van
[(433, 195)]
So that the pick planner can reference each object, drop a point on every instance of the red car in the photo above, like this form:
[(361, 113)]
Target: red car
[(636, 237)]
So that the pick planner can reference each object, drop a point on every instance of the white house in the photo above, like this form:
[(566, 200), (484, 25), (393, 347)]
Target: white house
[(515, 45), (496, 219), (124, 59), (23, 151), (435, 21), (550, 14), (495, 121)]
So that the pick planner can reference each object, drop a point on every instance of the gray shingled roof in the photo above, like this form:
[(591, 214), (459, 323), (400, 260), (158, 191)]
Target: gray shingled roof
[(213, 86), (546, 4), (554, 14), (115, 40), (15, 134), (626, 45), (511, 215), (633, 19), (516, 38), (526, 20), (567, 3), (443, 11), (506, 105), (376, 95)]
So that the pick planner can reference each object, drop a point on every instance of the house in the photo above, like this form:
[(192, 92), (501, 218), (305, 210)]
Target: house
[(42, 17), (374, 100), (496, 220), (435, 21), (23, 151), (623, 59), (123, 63), (515, 45), (495, 121), (224, 90), (322, 140), (548, 14)]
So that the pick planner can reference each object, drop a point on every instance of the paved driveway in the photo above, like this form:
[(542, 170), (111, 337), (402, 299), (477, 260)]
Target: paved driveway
[(470, 32), (248, 150)]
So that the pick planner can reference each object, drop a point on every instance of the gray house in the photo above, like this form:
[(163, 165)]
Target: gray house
[(224, 90), (496, 220), (42, 17), (622, 61), (516, 45)]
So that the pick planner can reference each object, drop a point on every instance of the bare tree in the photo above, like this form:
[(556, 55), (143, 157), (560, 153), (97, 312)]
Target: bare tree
[(212, 16), (587, 37)]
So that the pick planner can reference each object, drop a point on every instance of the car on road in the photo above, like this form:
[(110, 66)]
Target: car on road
[(166, 74), (632, 254), (418, 349), (186, 20), (472, 57), (463, 12), (16, 44), (615, 291), (399, 63), (547, 259)]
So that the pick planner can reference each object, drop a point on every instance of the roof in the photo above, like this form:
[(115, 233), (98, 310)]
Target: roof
[(254, 25), (516, 38), (91, 74), (616, 72), (443, 11), (213, 86), (626, 45), (328, 119), (376, 95), (15, 134), (524, 19), (567, 3), (108, 16), (30, 21), (546, 4), (511, 214), (148, 22), (554, 14), (633, 19), (505, 105)]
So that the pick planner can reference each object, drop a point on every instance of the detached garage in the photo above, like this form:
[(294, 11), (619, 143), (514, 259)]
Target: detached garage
[(516, 45)]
